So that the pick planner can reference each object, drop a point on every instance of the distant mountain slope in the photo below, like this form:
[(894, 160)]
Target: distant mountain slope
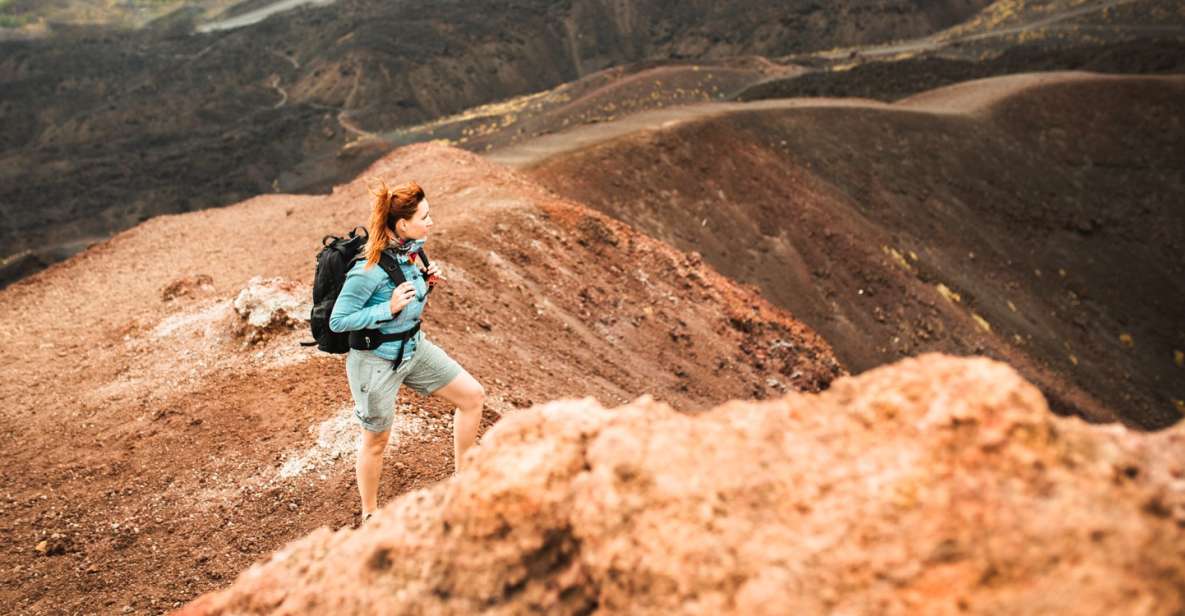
[(894, 80), (107, 128)]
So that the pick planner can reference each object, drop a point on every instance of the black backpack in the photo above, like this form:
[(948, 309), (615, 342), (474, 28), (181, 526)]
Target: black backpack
[(335, 259)]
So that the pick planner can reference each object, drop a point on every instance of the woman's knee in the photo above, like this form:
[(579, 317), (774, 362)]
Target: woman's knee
[(473, 397), (465, 392), (479, 393), (373, 443)]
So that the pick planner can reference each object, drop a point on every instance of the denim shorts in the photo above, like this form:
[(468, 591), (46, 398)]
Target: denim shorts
[(374, 382)]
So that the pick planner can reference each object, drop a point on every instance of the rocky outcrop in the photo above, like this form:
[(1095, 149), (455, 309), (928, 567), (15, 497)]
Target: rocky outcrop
[(933, 485), (269, 306)]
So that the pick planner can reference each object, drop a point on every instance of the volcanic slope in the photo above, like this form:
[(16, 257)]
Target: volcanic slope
[(1032, 218), (150, 452), (106, 128)]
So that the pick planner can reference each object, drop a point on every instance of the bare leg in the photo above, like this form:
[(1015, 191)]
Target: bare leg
[(469, 396), (369, 467)]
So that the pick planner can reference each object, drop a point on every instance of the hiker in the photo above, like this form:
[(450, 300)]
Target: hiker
[(370, 300)]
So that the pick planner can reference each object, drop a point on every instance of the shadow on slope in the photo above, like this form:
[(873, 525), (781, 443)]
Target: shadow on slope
[(1033, 219)]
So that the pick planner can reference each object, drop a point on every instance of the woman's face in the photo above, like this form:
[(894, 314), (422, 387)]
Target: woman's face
[(418, 225)]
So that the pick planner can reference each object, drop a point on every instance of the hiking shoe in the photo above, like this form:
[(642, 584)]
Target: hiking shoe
[(362, 520)]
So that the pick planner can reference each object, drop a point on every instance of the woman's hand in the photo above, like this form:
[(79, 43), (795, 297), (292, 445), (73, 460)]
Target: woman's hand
[(433, 274), (402, 296)]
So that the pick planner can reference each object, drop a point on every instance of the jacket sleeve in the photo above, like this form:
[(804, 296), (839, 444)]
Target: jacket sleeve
[(348, 312)]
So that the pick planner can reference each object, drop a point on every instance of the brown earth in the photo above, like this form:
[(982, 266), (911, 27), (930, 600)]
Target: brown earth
[(1034, 218), (936, 485), (150, 452)]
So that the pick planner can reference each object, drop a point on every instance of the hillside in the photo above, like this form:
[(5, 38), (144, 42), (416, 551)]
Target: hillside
[(1030, 218), (1007, 37), (908, 342), (897, 79), (182, 442), (105, 128)]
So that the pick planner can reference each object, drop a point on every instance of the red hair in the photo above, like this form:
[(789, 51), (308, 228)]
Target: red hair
[(390, 206)]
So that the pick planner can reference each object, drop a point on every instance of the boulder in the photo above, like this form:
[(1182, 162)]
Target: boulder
[(933, 485), (266, 307)]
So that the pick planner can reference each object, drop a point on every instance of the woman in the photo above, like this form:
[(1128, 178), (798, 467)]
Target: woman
[(399, 224)]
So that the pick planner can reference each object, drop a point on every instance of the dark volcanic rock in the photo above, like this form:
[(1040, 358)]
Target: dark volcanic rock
[(103, 129), (890, 81)]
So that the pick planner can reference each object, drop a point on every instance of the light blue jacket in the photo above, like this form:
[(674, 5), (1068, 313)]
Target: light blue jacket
[(365, 303)]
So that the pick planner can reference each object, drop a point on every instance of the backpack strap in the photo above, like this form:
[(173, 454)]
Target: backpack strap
[(391, 266), (424, 272)]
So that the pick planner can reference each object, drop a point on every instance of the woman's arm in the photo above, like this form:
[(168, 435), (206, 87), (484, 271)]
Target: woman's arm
[(348, 312)]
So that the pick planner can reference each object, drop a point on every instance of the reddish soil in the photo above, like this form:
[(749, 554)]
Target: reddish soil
[(1047, 207), (156, 454), (936, 485)]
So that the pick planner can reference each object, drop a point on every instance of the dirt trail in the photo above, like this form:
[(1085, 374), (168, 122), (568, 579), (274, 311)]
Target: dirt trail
[(588, 135), (967, 98), (257, 15), (981, 95)]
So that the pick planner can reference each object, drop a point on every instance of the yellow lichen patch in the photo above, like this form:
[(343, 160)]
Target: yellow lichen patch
[(1011, 306), (981, 322), (897, 257), (951, 296), (913, 256), (1061, 272), (1180, 404), (1179, 359), (1127, 340)]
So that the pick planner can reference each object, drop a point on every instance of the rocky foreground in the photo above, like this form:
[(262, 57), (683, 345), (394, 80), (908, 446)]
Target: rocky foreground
[(933, 485)]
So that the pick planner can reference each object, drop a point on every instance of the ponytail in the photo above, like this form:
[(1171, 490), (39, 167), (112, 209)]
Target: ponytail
[(390, 206)]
